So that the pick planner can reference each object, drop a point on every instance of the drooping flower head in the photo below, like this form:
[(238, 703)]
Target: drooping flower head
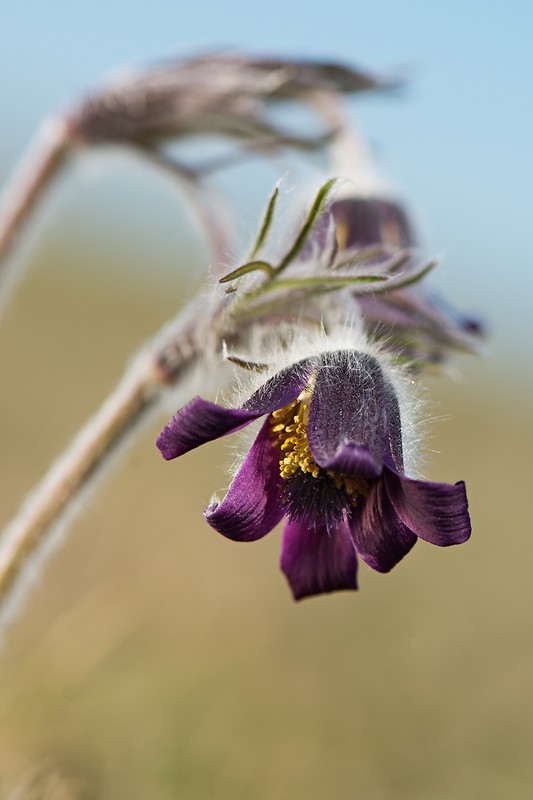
[(332, 455), (410, 321), (329, 457)]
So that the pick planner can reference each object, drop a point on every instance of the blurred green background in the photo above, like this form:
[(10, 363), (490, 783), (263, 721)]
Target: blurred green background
[(156, 659)]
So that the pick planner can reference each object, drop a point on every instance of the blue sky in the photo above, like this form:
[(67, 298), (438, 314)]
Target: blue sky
[(457, 143)]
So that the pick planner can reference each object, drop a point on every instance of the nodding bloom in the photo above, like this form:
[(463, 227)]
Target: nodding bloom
[(408, 321), (329, 457)]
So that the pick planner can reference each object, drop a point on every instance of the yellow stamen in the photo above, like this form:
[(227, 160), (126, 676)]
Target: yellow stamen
[(289, 426)]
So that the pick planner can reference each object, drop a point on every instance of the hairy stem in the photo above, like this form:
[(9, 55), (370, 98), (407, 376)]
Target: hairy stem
[(210, 210), (26, 186), (31, 534)]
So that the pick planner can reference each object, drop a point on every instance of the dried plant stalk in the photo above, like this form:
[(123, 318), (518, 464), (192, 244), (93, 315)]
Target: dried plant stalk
[(35, 529), (29, 181)]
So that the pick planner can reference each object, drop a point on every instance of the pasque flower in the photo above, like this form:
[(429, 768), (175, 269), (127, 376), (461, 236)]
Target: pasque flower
[(409, 321), (329, 457)]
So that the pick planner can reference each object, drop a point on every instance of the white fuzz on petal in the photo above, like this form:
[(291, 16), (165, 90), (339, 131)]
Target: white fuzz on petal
[(299, 344)]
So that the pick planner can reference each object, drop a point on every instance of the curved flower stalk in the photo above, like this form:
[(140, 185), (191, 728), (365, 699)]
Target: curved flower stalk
[(219, 93), (329, 457), (216, 94)]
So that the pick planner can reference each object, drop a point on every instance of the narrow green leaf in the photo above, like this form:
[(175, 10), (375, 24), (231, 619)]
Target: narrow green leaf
[(250, 266), (327, 281), (307, 227), (266, 223), (410, 278), (251, 366), (359, 257)]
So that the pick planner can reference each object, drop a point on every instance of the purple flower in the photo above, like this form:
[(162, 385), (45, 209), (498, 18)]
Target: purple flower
[(408, 321), (329, 457)]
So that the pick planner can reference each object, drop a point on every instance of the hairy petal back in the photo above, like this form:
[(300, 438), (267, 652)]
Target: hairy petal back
[(354, 419)]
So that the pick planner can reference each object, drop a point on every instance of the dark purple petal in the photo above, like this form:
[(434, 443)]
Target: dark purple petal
[(315, 562), (252, 507), (437, 512), (365, 221), (354, 418), (380, 537), (199, 422), (427, 317), (282, 388), (353, 459)]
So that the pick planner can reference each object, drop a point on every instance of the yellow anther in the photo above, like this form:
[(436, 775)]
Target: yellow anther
[(289, 426)]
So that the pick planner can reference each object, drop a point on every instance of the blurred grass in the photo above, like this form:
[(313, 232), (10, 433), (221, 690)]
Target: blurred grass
[(156, 659)]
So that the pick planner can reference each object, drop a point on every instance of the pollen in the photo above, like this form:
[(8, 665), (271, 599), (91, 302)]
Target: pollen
[(289, 426)]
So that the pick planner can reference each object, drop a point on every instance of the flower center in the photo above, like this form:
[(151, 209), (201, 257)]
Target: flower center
[(310, 492), (290, 426)]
